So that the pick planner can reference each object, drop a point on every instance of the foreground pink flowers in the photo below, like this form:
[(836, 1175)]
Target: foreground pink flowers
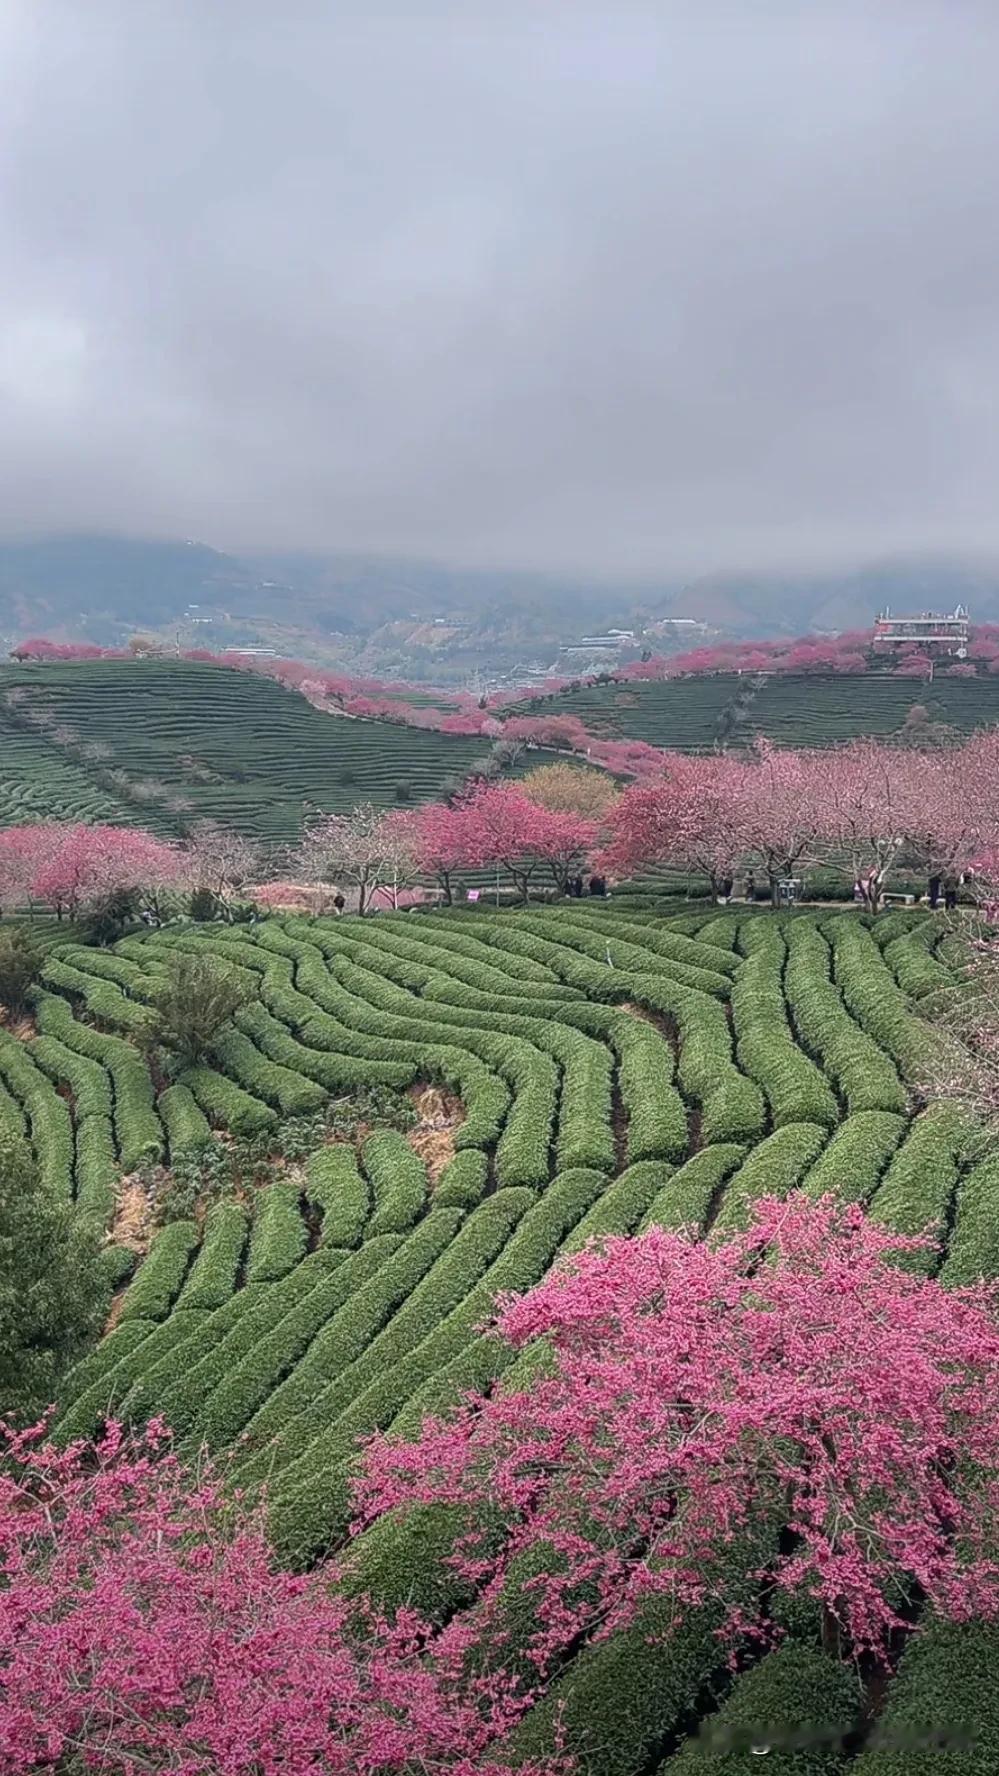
[(796, 1386), (143, 1627)]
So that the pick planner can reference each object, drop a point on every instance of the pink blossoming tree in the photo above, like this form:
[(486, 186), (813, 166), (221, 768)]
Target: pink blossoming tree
[(795, 1389), (70, 866)]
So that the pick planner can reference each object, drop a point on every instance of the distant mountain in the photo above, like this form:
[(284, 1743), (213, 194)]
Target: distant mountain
[(421, 619), (95, 587)]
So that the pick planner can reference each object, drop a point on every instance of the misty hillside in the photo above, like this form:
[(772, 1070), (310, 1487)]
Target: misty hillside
[(389, 617)]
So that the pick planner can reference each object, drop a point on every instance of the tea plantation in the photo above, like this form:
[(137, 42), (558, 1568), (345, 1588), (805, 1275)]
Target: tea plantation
[(607, 1066), (228, 746), (813, 709)]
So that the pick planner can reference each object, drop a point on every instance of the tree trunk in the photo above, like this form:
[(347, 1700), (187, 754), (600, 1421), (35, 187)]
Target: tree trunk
[(832, 1639), (445, 882)]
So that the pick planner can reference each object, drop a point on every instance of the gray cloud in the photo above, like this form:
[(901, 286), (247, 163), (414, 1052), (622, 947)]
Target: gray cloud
[(625, 288)]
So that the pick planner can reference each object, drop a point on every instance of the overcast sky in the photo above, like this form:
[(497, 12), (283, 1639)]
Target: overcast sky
[(626, 288)]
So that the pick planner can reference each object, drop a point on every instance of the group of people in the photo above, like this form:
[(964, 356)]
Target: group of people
[(597, 887), (950, 885)]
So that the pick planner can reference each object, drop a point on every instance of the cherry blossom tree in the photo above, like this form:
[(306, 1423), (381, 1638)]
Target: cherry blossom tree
[(143, 1627), (439, 843), (368, 850), (794, 1392), (218, 859), (70, 866), (877, 797), (686, 819)]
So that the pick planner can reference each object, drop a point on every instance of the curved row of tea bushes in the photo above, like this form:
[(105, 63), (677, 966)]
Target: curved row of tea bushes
[(870, 993), (225, 1103), (654, 1110), (973, 1247), (663, 939), (941, 1711), (110, 1394), (854, 1161), (584, 1134), (398, 1181), (409, 957), (186, 1125), (289, 1092), (279, 1232), (621, 954), (212, 1277), (687, 1198), (732, 1107), (797, 1700), (774, 1168), (48, 1118), (334, 1185), (331, 1017), (161, 1275), (102, 998), (11, 1111), (137, 1127), (765, 1046), (331, 1071), (87, 1080), (96, 1168), (915, 970), (915, 1194), (620, 1208), (859, 1069), (462, 1184)]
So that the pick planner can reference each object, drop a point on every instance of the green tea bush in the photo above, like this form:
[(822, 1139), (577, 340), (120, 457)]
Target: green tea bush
[(916, 1191), (187, 1127), (686, 1198), (463, 1181), (857, 1066), (774, 1168), (941, 1712), (797, 1700), (278, 1235), (225, 1103), (334, 1185), (398, 1180), (213, 1275), (973, 1251), (854, 1161), (161, 1274)]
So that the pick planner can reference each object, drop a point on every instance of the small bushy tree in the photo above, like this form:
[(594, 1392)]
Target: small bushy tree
[(564, 788), (198, 997), (53, 1287), (20, 962)]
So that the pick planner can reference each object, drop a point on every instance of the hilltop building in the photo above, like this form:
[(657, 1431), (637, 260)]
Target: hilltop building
[(936, 633)]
